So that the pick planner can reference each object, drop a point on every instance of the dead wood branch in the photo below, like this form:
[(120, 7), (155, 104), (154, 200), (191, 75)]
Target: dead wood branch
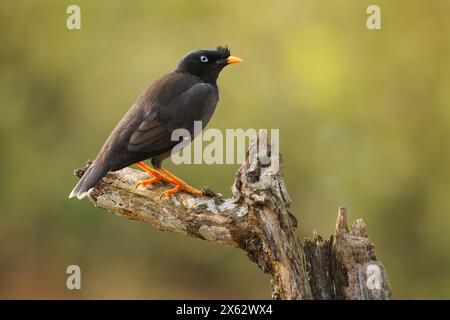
[(256, 220)]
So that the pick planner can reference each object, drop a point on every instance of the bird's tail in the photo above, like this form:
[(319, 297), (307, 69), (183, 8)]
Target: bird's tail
[(89, 180)]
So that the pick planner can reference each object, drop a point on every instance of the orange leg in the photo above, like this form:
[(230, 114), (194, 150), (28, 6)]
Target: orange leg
[(179, 184), (146, 182), (147, 169), (156, 175)]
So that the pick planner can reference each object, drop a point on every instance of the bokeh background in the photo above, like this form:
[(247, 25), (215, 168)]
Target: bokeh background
[(363, 117)]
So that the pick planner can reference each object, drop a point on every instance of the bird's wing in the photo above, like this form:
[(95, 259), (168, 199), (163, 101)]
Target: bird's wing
[(153, 135), (150, 135)]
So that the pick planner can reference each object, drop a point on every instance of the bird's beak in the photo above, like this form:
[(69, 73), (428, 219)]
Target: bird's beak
[(233, 59)]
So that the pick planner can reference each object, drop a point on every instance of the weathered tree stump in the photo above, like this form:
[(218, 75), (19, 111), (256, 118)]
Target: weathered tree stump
[(256, 220)]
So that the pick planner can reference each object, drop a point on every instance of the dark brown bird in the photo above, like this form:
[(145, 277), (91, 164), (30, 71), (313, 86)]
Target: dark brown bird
[(176, 100)]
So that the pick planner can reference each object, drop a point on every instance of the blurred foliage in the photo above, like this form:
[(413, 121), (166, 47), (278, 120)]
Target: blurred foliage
[(363, 116)]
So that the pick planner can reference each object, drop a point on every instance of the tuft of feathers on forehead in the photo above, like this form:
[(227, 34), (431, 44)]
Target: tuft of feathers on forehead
[(223, 51)]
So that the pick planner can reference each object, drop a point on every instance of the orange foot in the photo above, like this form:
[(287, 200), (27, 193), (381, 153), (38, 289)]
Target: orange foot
[(162, 174), (180, 185), (155, 175)]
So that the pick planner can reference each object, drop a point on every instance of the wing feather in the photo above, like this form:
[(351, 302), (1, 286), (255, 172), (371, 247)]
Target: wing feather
[(153, 135)]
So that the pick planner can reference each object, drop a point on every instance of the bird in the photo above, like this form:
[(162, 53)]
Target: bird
[(176, 100)]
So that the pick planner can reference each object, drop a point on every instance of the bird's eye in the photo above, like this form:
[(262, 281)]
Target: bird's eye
[(203, 59)]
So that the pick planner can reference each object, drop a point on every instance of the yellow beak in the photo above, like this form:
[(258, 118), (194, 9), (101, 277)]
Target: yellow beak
[(233, 59)]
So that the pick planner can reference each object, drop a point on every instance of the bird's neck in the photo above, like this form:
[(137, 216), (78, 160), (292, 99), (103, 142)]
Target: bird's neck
[(208, 77), (212, 80)]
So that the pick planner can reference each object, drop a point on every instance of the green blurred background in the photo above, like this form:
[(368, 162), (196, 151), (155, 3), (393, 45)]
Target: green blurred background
[(363, 117)]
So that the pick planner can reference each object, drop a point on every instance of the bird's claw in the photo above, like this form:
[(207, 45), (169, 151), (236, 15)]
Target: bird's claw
[(181, 187), (144, 183), (172, 191)]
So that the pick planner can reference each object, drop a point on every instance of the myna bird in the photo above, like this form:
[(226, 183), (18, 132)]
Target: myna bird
[(176, 100)]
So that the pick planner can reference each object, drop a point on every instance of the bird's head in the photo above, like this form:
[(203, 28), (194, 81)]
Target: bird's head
[(206, 64)]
